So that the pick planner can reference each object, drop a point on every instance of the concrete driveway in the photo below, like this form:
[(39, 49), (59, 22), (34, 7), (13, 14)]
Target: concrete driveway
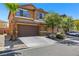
[(36, 41)]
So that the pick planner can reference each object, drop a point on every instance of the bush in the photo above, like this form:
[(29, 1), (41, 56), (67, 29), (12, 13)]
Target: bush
[(60, 36), (51, 35)]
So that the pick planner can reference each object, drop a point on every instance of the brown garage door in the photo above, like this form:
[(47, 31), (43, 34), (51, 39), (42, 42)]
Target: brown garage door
[(27, 30)]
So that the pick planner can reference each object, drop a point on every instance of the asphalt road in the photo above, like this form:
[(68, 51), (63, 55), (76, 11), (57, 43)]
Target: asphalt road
[(52, 50)]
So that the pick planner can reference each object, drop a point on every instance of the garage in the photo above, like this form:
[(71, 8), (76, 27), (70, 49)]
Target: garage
[(27, 30)]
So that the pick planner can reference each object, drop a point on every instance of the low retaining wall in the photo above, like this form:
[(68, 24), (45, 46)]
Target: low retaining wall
[(2, 42)]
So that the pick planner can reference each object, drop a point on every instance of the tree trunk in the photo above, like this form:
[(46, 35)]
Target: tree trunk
[(12, 25), (52, 29), (58, 29), (14, 28)]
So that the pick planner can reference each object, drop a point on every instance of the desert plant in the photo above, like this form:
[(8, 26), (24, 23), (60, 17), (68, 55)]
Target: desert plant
[(53, 20)]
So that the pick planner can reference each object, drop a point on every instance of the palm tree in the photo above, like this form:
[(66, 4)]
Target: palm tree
[(53, 20), (12, 7)]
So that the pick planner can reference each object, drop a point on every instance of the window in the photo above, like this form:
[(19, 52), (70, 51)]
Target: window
[(40, 15), (22, 12), (18, 13), (26, 13)]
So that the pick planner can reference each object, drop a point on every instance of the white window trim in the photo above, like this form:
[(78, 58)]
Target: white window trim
[(24, 17), (39, 21), (22, 9)]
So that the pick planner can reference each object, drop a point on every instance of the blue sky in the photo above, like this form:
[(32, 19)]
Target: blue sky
[(71, 9)]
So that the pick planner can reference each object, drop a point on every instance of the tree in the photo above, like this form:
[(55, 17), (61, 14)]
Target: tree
[(67, 23), (76, 24), (53, 20), (12, 7)]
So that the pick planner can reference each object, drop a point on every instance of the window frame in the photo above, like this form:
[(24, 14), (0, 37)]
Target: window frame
[(23, 13), (38, 15)]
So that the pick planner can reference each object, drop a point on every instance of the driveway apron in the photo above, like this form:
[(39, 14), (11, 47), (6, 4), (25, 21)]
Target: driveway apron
[(36, 41)]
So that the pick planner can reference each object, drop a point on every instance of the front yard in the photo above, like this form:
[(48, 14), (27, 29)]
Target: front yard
[(41, 46)]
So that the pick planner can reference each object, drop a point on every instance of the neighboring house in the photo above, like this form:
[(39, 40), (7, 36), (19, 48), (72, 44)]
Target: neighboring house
[(3, 26), (29, 21)]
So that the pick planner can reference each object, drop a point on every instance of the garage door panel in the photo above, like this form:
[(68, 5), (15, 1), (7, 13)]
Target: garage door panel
[(27, 30)]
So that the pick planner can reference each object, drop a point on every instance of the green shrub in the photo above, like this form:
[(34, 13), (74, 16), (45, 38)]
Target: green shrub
[(60, 36)]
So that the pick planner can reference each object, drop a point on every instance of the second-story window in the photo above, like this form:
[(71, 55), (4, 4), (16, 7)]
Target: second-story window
[(40, 15), (21, 12), (24, 13), (18, 13)]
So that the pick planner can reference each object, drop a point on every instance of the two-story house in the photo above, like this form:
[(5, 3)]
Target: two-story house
[(29, 20)]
